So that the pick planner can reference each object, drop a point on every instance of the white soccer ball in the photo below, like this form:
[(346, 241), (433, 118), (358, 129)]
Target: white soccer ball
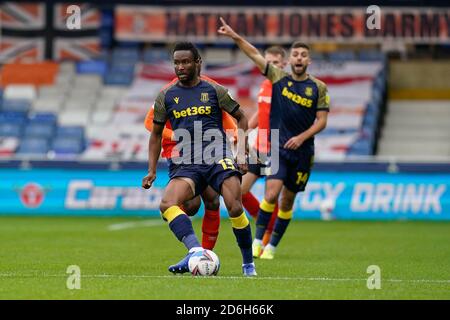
[(326, 209), (204, 263)]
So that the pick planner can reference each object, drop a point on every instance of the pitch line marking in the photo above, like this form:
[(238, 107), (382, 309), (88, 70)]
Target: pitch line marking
[(134, 224), (118, 276)]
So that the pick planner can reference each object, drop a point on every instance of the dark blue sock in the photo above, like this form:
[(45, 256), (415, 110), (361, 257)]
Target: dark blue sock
[(261, 223), (278, 231), (181, 226), (244, 240)]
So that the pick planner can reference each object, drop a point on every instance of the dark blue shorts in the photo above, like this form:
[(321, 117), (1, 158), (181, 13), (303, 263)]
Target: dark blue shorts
[(294, 172), (204, 174)]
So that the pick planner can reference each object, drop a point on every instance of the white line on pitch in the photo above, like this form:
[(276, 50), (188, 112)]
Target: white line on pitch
[(132, 276), (135, 224)]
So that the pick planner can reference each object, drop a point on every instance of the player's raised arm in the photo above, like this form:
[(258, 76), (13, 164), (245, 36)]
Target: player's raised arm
[(243, 44)]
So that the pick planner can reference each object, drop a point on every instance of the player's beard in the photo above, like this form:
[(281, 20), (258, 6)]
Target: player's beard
[(187, 77), (299, 73)]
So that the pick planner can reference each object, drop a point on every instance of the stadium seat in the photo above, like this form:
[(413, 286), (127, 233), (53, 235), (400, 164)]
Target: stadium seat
[(11, 129), (88, 81), (20, 92), (122, 66), (33, 146), (39, 130), (361, 147), (67, 68), (371, 55), (91, 67), (48, 104), (340, 56), (112, 91), (155, 55), (16, 105), (105, 104), (43, 117), (13, 117), (130, 54), (74, 117), (50, 91), (67, 146), (76, 132), (101, 116), (118, 78), (79, 104), (218, 56), (315, 56)]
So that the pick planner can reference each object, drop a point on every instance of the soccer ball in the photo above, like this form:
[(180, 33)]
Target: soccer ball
[(204, 263)]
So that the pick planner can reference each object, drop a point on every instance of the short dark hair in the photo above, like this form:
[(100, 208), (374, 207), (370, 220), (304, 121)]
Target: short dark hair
[(299, 44), (276, 50), (188, 46)]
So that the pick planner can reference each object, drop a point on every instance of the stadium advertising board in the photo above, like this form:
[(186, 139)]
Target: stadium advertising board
[(348, 195), (281, 25)]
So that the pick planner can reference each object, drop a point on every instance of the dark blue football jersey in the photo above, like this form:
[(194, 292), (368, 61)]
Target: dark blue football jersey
[(294, 106), (197, 110)]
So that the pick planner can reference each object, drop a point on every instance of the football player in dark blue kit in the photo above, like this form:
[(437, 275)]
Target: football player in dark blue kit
[(300, 105), (194, 108)]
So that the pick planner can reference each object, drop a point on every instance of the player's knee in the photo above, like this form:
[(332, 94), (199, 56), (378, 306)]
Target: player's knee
[(235, 209), (271, 196), (166, 204), (287, 202), (212, 203), (191, 207)]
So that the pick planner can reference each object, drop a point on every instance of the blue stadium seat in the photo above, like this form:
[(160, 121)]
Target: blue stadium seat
[(315, 56), (67, 146), (39, 130), (154, 55), (361, 147), (130, 54), (16, 105), (33, 146), (43, 117), (371, 55), (339, 56), (119, 67), (76, 132), (92, 67), (13, 117), (118, 78), (11, 130)]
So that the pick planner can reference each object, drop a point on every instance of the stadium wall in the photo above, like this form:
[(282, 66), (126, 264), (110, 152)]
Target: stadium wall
[(347, 191)]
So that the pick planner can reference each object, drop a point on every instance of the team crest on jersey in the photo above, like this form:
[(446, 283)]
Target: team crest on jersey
[(308, 91), (176, 99), (204, 97), (289, 83)]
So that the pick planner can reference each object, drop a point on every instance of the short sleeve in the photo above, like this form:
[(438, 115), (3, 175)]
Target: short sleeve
[(323, 102), (160, 113), (273, 73), (226, 101)]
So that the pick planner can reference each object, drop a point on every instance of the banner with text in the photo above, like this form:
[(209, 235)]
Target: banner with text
[(282, 25), (329, 195)]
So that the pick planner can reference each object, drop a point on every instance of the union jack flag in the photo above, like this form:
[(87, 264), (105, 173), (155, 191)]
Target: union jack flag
[(32, 32)]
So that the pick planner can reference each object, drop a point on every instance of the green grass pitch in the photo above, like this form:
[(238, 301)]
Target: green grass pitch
[(315, 260)]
